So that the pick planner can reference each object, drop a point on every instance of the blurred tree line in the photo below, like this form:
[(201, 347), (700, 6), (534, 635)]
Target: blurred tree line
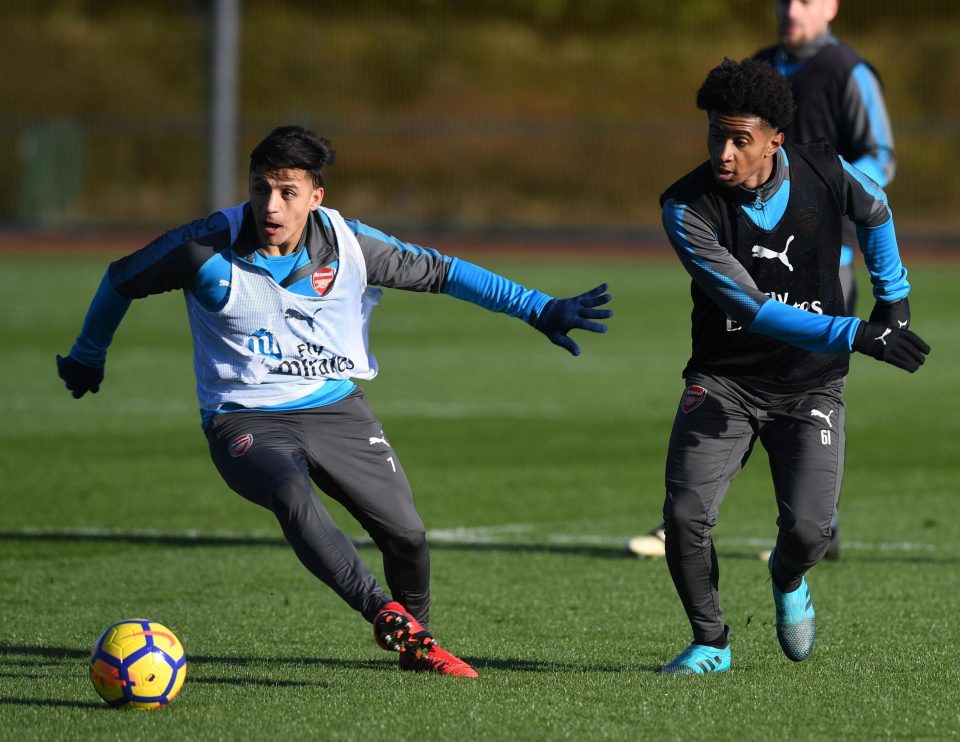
[(488, 115)]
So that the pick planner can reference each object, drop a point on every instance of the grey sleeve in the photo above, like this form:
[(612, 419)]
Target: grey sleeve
[(865, 201), (172, 261), (394, 264), (711, 265), (866, 125)]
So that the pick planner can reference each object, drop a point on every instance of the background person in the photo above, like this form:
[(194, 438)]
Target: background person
[(839, 98)]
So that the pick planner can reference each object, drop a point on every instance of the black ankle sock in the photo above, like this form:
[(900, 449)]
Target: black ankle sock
[(782, 585), (721, 642), (788, 588)]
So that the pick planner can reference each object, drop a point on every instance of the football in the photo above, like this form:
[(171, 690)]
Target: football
[(138, 664)]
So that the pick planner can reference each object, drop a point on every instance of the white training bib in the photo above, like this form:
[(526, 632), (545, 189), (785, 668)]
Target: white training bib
[(268, 346)]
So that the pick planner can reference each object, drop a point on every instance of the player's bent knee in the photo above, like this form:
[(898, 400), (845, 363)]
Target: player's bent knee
[(408, 545), (684, 511)]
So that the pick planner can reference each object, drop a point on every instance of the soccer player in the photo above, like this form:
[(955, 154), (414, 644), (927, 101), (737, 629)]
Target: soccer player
[(279, 291), (758, 227), (839, 98)]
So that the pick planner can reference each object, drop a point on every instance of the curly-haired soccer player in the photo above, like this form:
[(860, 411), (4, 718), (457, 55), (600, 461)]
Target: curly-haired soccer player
[(279, 292), (839, 97), (758, 227)]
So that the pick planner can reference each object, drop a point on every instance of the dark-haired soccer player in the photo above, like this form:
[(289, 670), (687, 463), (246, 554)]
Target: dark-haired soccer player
[(279, 292), (758, 227)]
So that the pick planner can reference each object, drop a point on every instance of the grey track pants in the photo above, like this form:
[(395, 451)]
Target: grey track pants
[(716, 426), (274, 459)]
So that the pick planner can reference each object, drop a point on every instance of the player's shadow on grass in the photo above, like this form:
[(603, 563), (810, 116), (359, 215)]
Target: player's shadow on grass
[(203, 669), (141, 538), (31, 658), (242, 661), (596, 551), (52, 702), (389, 662), (545, 666), (587, 550), (208, 540), (57, 654), (262, 682)]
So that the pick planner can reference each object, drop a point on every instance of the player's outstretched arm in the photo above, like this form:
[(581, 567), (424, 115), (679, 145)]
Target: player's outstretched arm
[(168, 263), (82, 369), (559, 316), (555, 318)]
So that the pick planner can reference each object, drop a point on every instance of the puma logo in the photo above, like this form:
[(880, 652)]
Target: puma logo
[(826, 418), (884, 335), (383, 439), (765, 252), (297, 314), (903, 325)]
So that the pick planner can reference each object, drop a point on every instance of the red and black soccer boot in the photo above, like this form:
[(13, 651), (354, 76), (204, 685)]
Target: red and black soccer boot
[(397, 631)]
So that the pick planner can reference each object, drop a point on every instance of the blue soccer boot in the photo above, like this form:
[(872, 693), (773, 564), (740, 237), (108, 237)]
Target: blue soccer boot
[(698, 659), (796, 625)]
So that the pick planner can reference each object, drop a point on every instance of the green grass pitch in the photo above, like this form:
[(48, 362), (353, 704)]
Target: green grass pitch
[(531, 469)]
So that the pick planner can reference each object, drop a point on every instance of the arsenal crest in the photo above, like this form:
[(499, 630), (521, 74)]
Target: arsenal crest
[(240, 445), (692, 398), (322, 279)]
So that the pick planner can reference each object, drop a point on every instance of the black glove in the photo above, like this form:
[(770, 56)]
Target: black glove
[(894, 314), (79, 377), (559, 316), (901, 348)]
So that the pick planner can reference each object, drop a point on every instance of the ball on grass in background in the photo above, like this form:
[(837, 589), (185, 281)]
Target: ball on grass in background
[(138, 664)]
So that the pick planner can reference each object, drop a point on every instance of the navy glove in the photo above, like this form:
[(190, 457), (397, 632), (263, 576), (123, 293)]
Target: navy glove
[(79, 377), (559, 316), (894, 314), (898, 347)]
